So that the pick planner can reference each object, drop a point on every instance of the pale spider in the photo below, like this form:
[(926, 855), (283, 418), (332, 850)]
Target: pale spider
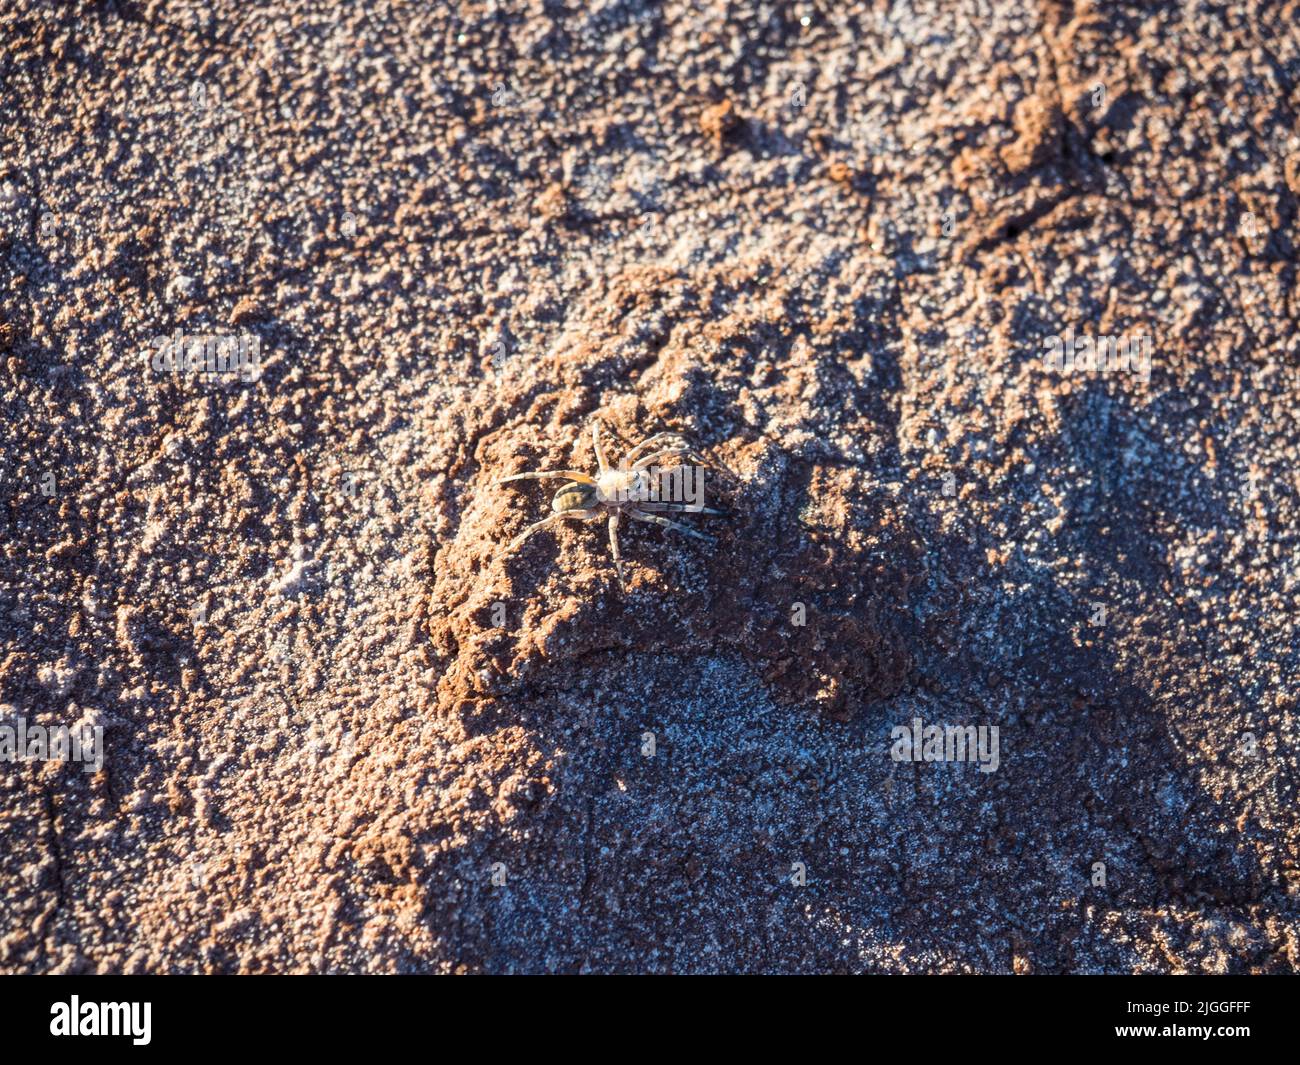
[(615, 491)]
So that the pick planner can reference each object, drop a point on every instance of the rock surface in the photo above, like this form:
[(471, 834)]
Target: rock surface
[(345, 731)]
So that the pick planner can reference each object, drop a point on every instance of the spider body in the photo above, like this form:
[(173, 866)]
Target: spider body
[(623, 486), (630, 490)]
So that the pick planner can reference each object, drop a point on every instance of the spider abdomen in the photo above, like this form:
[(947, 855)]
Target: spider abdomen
[(574, 496)]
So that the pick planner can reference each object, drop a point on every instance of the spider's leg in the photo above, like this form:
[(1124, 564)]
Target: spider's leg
[(547, 521), (613, 546), (666, 523), (550, 475), (532, 529), (601, 464), (658, 438), (680, 508), (684, 452)]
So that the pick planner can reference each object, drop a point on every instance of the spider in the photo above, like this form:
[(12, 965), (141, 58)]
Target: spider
[(615, 491)]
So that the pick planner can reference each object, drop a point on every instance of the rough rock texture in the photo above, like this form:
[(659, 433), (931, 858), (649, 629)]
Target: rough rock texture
[(345, 731)]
